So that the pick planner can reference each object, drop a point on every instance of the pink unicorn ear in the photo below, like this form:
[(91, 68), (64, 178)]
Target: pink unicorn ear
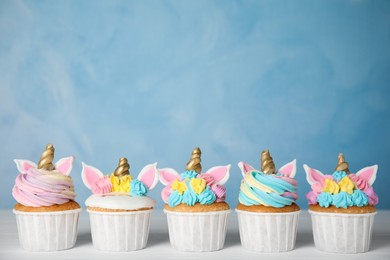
[(313, 176), (24, 165), (220, 174), (289, 169), (65, 165), (168, 175), (149, 175), (90, 175), (368, 174), (244, 168)]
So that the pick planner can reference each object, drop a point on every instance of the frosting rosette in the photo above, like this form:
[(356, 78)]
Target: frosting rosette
[(278, 189), (341, 188), (191, 187), (120, 182)]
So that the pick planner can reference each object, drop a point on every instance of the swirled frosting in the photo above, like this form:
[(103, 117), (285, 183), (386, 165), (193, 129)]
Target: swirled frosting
[(274, 190), (38, 187), (341, 189)]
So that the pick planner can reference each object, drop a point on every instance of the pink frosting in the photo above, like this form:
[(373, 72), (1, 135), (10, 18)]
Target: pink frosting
[(372, 197), (166, 192), (101, 186), (287, 179), (219, 191), (38, 188), (360, 183), (312, 197)]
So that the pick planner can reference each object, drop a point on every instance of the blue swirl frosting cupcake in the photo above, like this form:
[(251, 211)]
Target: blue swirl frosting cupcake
[(267, 209)]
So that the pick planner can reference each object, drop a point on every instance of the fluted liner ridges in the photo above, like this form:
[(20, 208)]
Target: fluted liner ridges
[(268, 232), (342, 233), (47, 231), (197, 231), (120, 231)]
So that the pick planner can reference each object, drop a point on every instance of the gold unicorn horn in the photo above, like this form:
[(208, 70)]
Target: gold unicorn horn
[(123, 168), (194, 163), (267, 164), (342, 165), (46, 161)]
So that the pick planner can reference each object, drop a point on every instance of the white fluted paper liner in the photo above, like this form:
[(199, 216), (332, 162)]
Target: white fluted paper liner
[(197, 231), (268, 232), (47, 231), (120, 231), (342, 233)]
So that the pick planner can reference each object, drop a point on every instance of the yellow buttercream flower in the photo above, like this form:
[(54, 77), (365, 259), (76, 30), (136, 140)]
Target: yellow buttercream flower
[(179, 186), (198, 185), (331, 187), (121, 184), (347, 185)]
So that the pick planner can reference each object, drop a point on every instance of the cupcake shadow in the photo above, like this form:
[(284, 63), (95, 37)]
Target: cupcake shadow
[(157, 238), (83, 238), (232, 239)]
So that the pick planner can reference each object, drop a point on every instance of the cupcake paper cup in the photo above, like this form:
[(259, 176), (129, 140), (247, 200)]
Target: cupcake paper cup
[(47, 231), (342, 233), (197, 231), (268, 232), (120, 231)]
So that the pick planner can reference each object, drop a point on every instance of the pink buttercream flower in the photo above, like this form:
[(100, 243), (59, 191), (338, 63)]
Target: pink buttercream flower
[(208, 178), (166, 192), (219, 191), (102, 186), (360, 183), (312, 197), (372, 197)]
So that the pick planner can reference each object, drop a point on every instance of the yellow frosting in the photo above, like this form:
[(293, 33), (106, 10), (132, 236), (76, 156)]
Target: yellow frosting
[(346, 185), (121, 184), (331, 187), (244, 188), (179, 186), (198, 185), (253, 183)]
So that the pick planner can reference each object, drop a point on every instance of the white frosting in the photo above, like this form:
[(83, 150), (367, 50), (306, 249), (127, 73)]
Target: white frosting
[(124, 202)]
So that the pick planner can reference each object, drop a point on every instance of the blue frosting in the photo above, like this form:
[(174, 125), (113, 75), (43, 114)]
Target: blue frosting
[(325, 199), (188, 174), (342, 200), (359, 198), (207, 196), (273, 199), (138, 188), (174, 199), (189, 196), (338, 175)]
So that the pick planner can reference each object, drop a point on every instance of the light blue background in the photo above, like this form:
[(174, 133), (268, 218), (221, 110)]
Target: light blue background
[(150, 80)]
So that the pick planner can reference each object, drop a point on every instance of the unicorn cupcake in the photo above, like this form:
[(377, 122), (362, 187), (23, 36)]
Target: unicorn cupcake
[(342, 207), (267, 209), (46, 213), (195, 205), (119, 209)]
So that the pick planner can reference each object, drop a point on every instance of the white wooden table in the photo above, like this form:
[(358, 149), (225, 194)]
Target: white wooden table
[(158, 246)]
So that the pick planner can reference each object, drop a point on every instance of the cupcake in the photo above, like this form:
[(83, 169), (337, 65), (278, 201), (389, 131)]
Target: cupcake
[(195, 205), (267, 209), (119, 209), (342, 207), (46, 213)]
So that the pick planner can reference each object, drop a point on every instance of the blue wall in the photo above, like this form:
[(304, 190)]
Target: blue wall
[(150, 80)]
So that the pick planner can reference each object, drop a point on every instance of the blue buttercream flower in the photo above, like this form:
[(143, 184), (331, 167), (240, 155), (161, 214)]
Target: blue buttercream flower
[(342, 200), (138, 188), (174, 199), (188, 174), (207, 196), (338, 175), (359, 198), (324, 199)]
